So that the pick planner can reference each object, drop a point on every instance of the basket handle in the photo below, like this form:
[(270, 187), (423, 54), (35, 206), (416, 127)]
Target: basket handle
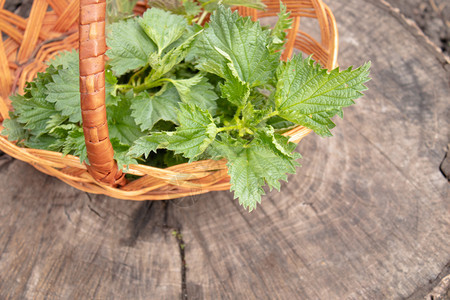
[(102, 165)]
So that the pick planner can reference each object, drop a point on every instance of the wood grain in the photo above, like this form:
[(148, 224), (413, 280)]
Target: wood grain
[(366, 217), (59, 243)]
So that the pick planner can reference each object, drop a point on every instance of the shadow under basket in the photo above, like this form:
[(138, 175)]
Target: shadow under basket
[(53, 26)]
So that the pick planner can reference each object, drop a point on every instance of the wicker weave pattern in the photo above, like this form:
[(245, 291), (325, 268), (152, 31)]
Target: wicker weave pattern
[(37, 39)]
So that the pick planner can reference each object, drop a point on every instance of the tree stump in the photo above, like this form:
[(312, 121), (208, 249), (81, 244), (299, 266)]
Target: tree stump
[(366, 217)]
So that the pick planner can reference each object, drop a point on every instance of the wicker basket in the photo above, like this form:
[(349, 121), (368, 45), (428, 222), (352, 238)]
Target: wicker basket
[(30, 42)]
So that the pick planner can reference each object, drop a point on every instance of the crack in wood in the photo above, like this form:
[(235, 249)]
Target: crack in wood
[(92, 209), (66, 213), (435, 289), (95, 212), (165, 204), (181, 246), (139, 221), (444, 167), (441, 291), (176, 232)]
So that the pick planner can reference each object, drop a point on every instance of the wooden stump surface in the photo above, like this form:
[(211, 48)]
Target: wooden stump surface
[(366, 217)]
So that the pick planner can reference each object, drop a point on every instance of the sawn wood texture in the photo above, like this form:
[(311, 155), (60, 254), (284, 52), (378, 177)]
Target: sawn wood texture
[(366, 217)]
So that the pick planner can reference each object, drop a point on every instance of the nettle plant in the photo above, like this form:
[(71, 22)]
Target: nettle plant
[(177, 91)]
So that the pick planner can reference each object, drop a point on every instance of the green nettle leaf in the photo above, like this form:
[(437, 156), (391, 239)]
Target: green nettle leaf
[(70, 93), (191, 8), (184, 86), (277, 143), (74, 144), (13, 130), (31, 109), (162, 27), (253, 117), (308, 95), (279, 33), (66, 59), (43, 142), (110, 89), (147, 110), (121, 154), (56, 146), (202, 95), (64, 91), (62, 131), (34, 112), (60, 134), (253, 165), (121, 124), (239, 41), (278, 123), (234, 89), (55, 121), (212, 5), (144, 145), (129, 46), (195, 133), (164, 65), (190, 33)]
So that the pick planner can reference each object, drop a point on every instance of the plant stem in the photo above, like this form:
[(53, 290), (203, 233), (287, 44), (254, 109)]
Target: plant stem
[(228, 128), (124, 86), (138, 73), (149, 75), (149, 85), (237, 114), (272, 114)]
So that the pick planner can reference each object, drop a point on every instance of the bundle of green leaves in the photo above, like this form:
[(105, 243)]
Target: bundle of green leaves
[(178, 91)]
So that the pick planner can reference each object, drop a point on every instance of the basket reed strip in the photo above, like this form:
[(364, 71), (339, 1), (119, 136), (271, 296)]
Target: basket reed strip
[(58, 5), (68, 17), (34, 25)]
